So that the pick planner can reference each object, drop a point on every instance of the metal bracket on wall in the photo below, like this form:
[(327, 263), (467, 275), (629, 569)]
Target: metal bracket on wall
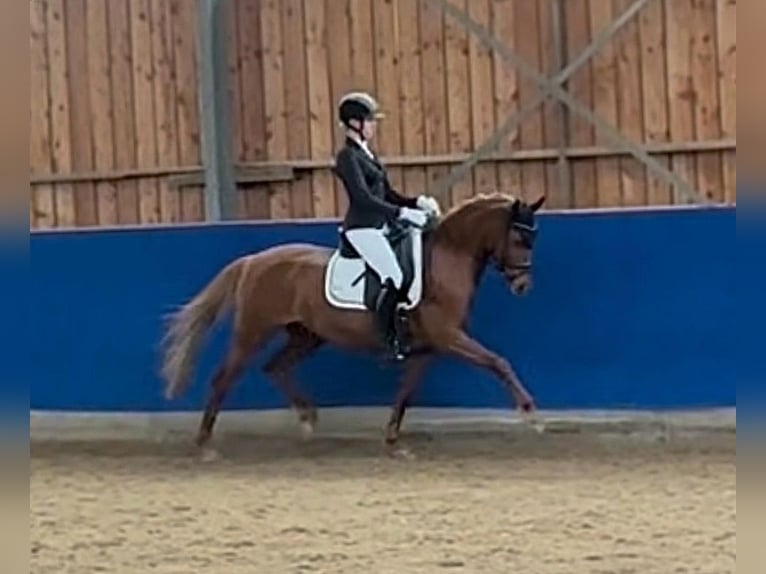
[(552, 87)]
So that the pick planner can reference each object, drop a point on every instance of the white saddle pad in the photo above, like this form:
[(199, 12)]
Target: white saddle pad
[(341, 274)]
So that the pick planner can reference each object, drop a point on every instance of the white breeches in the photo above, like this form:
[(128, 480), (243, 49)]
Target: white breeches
[(374, 248)]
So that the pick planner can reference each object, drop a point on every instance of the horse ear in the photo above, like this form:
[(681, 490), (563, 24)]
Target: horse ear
[(538, 204)]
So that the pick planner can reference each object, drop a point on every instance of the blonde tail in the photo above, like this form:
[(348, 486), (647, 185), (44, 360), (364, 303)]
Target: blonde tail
[(187, 328)]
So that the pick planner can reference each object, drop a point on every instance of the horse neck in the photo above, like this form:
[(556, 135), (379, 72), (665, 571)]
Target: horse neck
[(460, 249), (472, 229)]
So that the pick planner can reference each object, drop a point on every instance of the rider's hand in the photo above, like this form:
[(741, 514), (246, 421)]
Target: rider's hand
[(429, 204), (414, 216)]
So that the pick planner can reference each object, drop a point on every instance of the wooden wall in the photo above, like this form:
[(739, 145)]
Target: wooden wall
[(115, 130)]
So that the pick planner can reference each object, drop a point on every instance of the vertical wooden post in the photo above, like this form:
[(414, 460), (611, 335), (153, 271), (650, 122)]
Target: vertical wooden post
[(214, 98), (564, 169)]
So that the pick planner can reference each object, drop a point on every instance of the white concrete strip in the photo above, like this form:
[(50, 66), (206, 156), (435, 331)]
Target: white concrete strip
[(347, 421)]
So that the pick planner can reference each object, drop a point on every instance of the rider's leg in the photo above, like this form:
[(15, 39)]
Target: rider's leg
[(374, 248), (376, 251)]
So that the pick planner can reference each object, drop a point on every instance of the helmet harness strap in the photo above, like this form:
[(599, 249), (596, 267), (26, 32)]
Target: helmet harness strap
[(359, 131)]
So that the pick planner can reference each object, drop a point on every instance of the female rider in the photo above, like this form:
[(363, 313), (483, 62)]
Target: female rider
[(372, 205)]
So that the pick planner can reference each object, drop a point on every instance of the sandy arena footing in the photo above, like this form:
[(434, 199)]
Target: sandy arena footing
[(658, 497)]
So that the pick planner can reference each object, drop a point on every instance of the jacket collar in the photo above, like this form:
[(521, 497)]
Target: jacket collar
[(355, 144)]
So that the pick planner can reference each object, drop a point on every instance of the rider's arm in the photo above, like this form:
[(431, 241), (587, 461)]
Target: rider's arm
[(351, 175), (398, 199)]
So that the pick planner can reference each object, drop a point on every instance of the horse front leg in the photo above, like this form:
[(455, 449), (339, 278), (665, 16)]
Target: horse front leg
[(460, 344), (413, 373)]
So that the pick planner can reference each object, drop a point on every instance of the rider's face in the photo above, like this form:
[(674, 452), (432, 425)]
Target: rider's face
[(369, 127)]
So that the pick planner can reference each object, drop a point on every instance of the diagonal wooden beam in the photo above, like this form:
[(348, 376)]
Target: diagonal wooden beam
[(552, 87), (513, 121)]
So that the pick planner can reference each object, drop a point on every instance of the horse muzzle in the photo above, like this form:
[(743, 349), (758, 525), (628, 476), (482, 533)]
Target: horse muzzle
[(519, 279)]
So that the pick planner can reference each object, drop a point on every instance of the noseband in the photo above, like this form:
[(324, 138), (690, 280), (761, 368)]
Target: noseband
[(528, 234)]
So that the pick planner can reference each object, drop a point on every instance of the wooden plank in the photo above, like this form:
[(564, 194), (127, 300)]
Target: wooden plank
[(458, 97), (604, 70), (253, 111), (320, 108), (42, 207), (385, 33), (362, 45), (680, 85), (60, 128), (729, 159), (79, 110), (727, 84), (630, 106), (551, 110), (528, 32), (339, 23), (296, 101), (411, 94), (410, 160), (185, 41), (233, 33), (101, 112), (166, 125), (434, 92), (122, 106), (584, 177), (362, 50), (706, 102), (143, 86), (274, 101), (40, 123), (655, 92), (482, 100), (506, 91), (547, 59), (234, 62), (42, 202), (269, 175)]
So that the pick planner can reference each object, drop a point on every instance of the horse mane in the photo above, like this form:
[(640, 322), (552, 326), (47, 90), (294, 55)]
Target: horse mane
[(459, 225), (482, 200)]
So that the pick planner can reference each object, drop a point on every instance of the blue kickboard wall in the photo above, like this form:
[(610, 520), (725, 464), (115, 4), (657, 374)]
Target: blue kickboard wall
[(631, 309)]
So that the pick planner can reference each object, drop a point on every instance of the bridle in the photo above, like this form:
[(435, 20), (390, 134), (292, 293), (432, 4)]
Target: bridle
[(528, 234)]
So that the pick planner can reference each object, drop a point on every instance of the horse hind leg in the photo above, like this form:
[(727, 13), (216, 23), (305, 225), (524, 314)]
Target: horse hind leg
[(232, 367), (301, 343)]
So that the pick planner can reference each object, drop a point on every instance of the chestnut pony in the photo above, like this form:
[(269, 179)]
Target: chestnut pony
[(280, 290)]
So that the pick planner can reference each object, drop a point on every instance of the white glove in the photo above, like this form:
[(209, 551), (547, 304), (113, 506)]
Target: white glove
[(427, 203), (414, 216)]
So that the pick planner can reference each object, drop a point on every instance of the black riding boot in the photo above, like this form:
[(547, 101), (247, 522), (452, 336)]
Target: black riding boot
[(389, 323)]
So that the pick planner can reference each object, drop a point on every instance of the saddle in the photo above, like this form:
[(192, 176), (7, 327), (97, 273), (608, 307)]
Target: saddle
[(352, 284)]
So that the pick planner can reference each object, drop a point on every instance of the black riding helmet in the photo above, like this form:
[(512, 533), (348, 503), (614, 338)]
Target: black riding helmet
[(358, 106)]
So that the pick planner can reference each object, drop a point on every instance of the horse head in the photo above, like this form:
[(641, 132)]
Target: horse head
[(499, 228)]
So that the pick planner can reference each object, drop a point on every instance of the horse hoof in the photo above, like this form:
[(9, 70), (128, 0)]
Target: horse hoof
[(209, 455), (538, 425), (403, 454), (307, 429), (398, 452), (533, 421)]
